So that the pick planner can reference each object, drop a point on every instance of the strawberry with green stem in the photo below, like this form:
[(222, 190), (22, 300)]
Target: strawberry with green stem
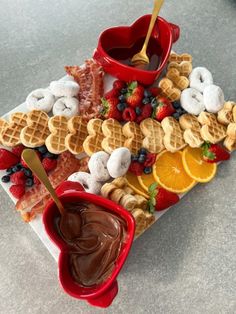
[(134, 94), (214, 153), (109, 109)]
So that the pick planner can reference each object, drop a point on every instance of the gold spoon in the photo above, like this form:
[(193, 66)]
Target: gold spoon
[(70, 223), (141, 57)]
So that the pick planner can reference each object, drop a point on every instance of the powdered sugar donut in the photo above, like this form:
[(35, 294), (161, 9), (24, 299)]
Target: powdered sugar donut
[(66, 106), (98, 166), (89, 184), (200, 78), (119, 162), (40, 99), (192, 101), (64, 88), (214, 99)]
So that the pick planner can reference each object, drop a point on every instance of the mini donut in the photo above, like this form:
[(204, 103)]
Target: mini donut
[(200, 78), (89, 184), (63, 88), (119, 162), (98, 166), (66, 106), (213, 98), (192, 101), (40, 99)]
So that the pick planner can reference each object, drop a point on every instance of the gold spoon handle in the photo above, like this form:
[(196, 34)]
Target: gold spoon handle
[(155, 12), (31, 159)]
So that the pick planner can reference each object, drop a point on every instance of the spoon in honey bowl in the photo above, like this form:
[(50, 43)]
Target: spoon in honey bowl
[(141, 58), (70, 223)]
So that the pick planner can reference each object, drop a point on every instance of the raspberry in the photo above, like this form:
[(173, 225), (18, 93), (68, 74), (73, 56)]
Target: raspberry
[(17, 150), (118, 85), (18, 178), (17, 190), (36, 181), (49, 164), (146, 113), (129, 114), (150, 160), (136, 168)]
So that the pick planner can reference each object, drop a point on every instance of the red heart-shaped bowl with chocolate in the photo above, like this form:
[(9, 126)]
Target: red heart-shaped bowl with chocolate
[(103, 293), (117, 45)]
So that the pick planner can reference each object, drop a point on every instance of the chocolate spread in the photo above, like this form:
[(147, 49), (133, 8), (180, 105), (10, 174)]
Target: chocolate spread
[(94, 243)]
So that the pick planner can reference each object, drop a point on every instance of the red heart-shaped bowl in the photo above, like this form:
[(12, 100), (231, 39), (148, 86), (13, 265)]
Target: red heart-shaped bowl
[(103, 294), (120, 38)]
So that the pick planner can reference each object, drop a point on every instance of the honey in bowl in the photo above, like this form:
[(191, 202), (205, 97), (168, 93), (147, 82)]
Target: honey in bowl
[(125, 54)]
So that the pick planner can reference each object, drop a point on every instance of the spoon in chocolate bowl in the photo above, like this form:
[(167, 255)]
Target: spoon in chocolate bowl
[(70, 222), (140, 59)]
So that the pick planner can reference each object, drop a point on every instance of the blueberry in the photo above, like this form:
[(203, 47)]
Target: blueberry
[(5, 179), (147, 93), (138, 111), (50, 155), (176, 104), (29, 182), (146, 101), (142, 151), (122, 98), (147, 170), (142, 158), (176, 115), (134, 157), (154, 102), (27, 172), (42, 149), (121, 106), (123, 91), (17, 168), (9, 171)]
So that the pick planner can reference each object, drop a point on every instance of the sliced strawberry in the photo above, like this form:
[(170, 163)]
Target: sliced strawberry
[(7, 159), (214, 153), (163, 109)]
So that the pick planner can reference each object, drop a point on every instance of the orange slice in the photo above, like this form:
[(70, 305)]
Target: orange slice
[(196, 167), (133, 183), (145, 180), (169, 172)]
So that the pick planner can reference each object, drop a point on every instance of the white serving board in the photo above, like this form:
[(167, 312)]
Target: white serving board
[(37, 223)]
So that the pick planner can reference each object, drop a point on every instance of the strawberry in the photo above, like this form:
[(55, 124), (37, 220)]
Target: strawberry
[(49, 164), (160, 198), (113, 93), (136, 168), (155, 91), (214, 153), (150, 160), (110, 109), (163, 109), (134, 95), (17, 190), (18, 178), (7, 159), (118, 85), (146, 113), (17, 150), (129, 114), (134, 100)]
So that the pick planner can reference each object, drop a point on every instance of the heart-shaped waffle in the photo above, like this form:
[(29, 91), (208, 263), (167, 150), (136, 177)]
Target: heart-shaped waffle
[(180, 82), (10, 135), (154, 134), (192, 136), (184, 68), (174, 57), (113, 136), (211, 130), (55, 142), (168, 89), (77, 127), (230, 140), (36, 131), (225, 115), (173, 138), (93, 142), (134, 137), (3, 124)]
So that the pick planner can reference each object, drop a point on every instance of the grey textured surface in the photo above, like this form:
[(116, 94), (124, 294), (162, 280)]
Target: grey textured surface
[(186, 262)]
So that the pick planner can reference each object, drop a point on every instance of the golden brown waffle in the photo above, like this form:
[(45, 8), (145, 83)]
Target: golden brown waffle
[(231, 130), (184, 68), (10, 135), (3, 124), (230, 140), (55, 142), (143, 220), (225, 115), (134, 137), (113, 136), (192, 136), (169, 90), (174, 57), (154, 134), (77, 127), (211, 130), (180, 82), (173, 138), (234, 113), (93, 142), (36, 131)]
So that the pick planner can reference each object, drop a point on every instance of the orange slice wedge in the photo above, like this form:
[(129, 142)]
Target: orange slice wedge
[(133, 183), (145, 180), (169, 172), (196, 167)]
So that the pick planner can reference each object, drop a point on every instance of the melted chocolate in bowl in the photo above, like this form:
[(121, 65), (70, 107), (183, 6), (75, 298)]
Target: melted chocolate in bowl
[(94, 241)]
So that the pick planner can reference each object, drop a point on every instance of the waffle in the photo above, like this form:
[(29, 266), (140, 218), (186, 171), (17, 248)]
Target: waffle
[(143, 220), (3, 124), (231, 130), (192, 136), (225, 115), (154, 134), (234, 113), (36, 131), (10, 135), (173, 138), (211, 130), (55, 142), (134, 137), (93, 142), (174, 57), (180, 82), (113, 136), (184, 68), (168, 89), (77, 127), (230, 143)]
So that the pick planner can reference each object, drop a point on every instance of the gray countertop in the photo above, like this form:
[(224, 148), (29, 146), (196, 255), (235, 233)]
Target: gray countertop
[(186, 263)]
